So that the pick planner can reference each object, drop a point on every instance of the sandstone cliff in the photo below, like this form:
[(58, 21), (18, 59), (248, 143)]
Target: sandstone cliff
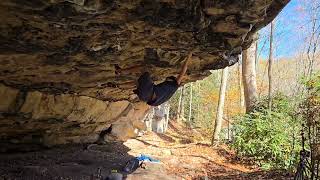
[(68, 67)]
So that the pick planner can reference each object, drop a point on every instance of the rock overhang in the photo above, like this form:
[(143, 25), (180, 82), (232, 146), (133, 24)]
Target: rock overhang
[(77, 46), (68, 67)]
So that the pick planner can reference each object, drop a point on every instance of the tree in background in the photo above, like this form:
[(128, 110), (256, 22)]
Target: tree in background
[(198, 102), (190, 104), (313, 39), (180, 111), (270, 67), (240, 85), (179, 104), (219, 115), (309, 110), (256, 56), (249, 76)]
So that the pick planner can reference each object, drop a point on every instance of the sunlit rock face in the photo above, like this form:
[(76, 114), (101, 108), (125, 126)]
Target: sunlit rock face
[(46, 119), (68, 67)]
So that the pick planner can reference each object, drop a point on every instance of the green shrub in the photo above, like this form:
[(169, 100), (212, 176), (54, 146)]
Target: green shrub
[(310, 107), (270, 138), (309, 110)]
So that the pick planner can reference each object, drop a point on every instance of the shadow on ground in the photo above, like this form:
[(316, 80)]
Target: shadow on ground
[(64, 162), (166, 138)]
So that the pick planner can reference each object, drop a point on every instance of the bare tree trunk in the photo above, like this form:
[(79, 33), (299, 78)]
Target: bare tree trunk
[(313, 40), (256, 58), (167, 117), (249, 77), (190, 104), (179, 105), (219, 117), (181, 114), (241, 97), (270, 67), (198, 105)]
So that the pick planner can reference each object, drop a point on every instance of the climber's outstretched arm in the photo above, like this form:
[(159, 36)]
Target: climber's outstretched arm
[(184, 68)]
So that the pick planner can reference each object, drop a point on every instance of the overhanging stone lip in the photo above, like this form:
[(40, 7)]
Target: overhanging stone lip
[(74, 46)]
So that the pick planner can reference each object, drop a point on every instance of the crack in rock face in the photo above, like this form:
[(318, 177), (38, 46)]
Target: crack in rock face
[(97, 49)]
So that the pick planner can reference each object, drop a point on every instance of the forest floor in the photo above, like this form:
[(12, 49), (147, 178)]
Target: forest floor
[(186, 156), (182, 152)]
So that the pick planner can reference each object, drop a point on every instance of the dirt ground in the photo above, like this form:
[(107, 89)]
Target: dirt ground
[(181, 157), (186, 156)]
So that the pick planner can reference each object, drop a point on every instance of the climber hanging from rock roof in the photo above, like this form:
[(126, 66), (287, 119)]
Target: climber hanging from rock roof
[(156, 94)]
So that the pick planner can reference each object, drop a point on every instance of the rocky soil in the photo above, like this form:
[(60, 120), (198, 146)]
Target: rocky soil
[(182, 153)]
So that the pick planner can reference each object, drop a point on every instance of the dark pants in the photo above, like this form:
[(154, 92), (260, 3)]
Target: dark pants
[(145, 87)]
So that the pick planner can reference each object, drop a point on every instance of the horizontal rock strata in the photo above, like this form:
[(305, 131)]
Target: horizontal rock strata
[(46, 119)]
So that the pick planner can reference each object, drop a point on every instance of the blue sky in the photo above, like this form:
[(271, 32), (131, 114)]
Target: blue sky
[(291, 29)]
